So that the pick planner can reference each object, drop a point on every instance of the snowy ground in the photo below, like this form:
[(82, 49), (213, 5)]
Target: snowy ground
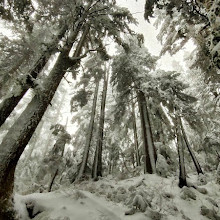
[(144, 197)]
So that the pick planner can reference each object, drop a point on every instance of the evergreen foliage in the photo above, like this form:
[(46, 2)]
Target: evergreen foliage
[(129, 118)]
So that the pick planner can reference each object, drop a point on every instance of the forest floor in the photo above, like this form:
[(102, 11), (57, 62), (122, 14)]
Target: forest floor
[(141, 198)]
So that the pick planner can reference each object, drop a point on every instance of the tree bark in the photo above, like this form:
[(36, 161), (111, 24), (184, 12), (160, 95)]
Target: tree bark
[(182, 170), (97, 163), (162, 135), (151, 146), (149, 149), (52, 180), (195, 161), (20, 133), (8, 104), (62, 148), (136, 144), (89, 135)]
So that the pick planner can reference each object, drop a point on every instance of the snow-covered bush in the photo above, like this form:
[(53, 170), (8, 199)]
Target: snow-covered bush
[(202, 180), (170, 157), (209, 213), (138, 201), (121, 176), (162, 166), (187, 194), (156, 215)]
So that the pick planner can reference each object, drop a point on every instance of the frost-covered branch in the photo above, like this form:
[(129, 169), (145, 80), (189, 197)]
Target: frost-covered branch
[(83, 55)]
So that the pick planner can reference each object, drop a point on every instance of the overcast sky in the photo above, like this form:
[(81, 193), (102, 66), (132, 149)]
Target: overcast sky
[(148, 30)]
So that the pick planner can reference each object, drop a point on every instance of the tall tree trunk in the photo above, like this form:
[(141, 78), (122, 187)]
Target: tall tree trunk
[(195, 161), (149, 148), (97, 163), (89, 135), (137, 155), (158, 125), (110, 165), (182, 170), (20, 133), (62, 148), (8, 104), (52, 180)]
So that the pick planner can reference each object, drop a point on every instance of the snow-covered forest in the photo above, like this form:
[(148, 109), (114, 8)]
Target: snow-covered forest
[(96, 122)]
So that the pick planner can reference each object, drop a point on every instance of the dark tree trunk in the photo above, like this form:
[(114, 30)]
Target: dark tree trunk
[(149, 149), (137, 155), (111, 161), (20, 133), (52, 180), (97, 163), (62, 148), (195, 161), (182, 170), (8, 104), (158, 126), (147, 163), (151, 146), (89, 135)]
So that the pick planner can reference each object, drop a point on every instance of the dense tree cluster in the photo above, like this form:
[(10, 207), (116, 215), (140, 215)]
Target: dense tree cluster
[(131, 117), (190, 20)]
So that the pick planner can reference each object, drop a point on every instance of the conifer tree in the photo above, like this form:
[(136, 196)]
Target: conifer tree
[(103, 14), (94, 71), (196, 20), (9, 103), (97, 163), (130, 69)]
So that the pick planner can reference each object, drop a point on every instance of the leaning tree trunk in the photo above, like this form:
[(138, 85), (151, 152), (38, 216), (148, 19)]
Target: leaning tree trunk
[(8, 104), (97, 163), (182, 170), (195, 161), (137, 155), (20, 133), (5, 78), (149, 148), (89, 135)]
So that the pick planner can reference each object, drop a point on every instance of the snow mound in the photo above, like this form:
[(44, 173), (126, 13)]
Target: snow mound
[(144, 197)]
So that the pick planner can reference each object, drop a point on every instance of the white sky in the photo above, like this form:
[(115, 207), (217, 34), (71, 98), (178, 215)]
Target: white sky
[(150, 33)]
